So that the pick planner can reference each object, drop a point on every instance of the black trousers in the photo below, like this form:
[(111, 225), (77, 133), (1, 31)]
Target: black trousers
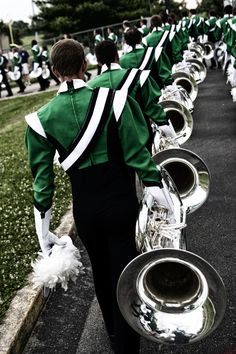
[(6, 83), (105, 210)]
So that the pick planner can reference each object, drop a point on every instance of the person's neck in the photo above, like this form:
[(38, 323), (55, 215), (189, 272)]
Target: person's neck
[(72, 77)]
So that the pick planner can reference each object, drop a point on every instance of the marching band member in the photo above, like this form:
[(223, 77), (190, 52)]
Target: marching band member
[(37, 62), (97, 136), (46, 60), (149, 58), (221, 31), (18, 67), (25, 65), (98, 39), (210, 25), (138, 83), (3, 72), (196, 25), (112, 36), (143, 27)]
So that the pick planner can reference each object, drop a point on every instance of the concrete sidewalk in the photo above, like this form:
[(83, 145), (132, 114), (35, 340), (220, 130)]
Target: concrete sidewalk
[(26, 305)]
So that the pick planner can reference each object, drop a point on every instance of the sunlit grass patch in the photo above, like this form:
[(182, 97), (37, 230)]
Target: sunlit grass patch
[(18, 241)]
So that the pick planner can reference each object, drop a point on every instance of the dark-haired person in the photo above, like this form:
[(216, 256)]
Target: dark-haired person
[(126, 26), (98, 38), (17, 65), (138, 83), (37, 62), (161, 37), (149, 58), (98, 138), (143, 27), (196, 25), (46, 61), (210, 25), (111, 35)]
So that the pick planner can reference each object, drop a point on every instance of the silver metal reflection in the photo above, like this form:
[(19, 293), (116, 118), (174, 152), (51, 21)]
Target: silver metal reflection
[(167, 294), (180, 117)]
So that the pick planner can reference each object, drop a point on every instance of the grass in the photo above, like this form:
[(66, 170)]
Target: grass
[(18, 241)]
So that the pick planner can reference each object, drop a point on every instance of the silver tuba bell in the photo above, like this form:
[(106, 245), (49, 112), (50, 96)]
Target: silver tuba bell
[(180, 117), (182, 75), (167, 294), (209, 50), (198, 69)]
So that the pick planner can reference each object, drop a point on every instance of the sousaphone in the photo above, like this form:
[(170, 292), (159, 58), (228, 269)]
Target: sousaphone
[(168, 294), (36, 72), (14, 75)]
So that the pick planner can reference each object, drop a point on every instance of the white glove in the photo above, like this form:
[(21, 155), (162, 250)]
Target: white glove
[(162, 198), (168, 130), (46, 238)]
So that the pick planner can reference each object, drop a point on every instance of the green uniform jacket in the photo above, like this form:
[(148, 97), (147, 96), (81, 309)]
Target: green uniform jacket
[(62, 120), (221, 27), (37, 53), (160, 68), (196, 26), (184, 23), (144, 30), (17, 59), (170, 47), (145, 91), (230, 36), (210, 25)]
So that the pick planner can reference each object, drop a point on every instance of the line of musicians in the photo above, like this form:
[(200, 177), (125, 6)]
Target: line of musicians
[(101, 157), (17, 69)]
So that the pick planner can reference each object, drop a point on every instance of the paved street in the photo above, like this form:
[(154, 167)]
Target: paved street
[(71, 322)]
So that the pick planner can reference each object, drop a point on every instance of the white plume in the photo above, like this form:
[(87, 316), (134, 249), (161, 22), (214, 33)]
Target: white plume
[(233, 93), (62, 265), (231, 72)]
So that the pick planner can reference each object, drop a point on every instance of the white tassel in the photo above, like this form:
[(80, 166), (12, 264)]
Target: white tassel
[(61, 266), (231, 72), (233, 93)]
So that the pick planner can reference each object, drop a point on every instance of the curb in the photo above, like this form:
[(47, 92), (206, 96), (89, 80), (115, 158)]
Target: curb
[(27, 304)]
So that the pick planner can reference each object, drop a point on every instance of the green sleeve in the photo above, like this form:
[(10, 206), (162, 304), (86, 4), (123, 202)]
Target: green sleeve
[(41, 155), (151, 93), (164, 70), (135, 153)]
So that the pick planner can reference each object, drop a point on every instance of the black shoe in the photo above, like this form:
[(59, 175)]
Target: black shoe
[(42, 89), (9, 95)]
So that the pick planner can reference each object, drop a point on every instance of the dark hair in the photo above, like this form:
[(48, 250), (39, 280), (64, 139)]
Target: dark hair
[(106, 52), (212, 13), (228, 9), (193, 11), (33, 42), (67, 57), (156, 21), (144, 21), (126, 23), (133, 36)]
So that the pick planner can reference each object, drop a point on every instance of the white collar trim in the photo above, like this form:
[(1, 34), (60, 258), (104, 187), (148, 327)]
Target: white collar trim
[(113, 66), (77, 83)]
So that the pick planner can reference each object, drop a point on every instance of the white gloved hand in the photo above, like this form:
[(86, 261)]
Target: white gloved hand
[(46, 238), (48, 241), (162, 198), (168, 130)]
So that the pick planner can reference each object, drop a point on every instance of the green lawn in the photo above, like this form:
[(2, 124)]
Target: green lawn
[(18, 241)]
